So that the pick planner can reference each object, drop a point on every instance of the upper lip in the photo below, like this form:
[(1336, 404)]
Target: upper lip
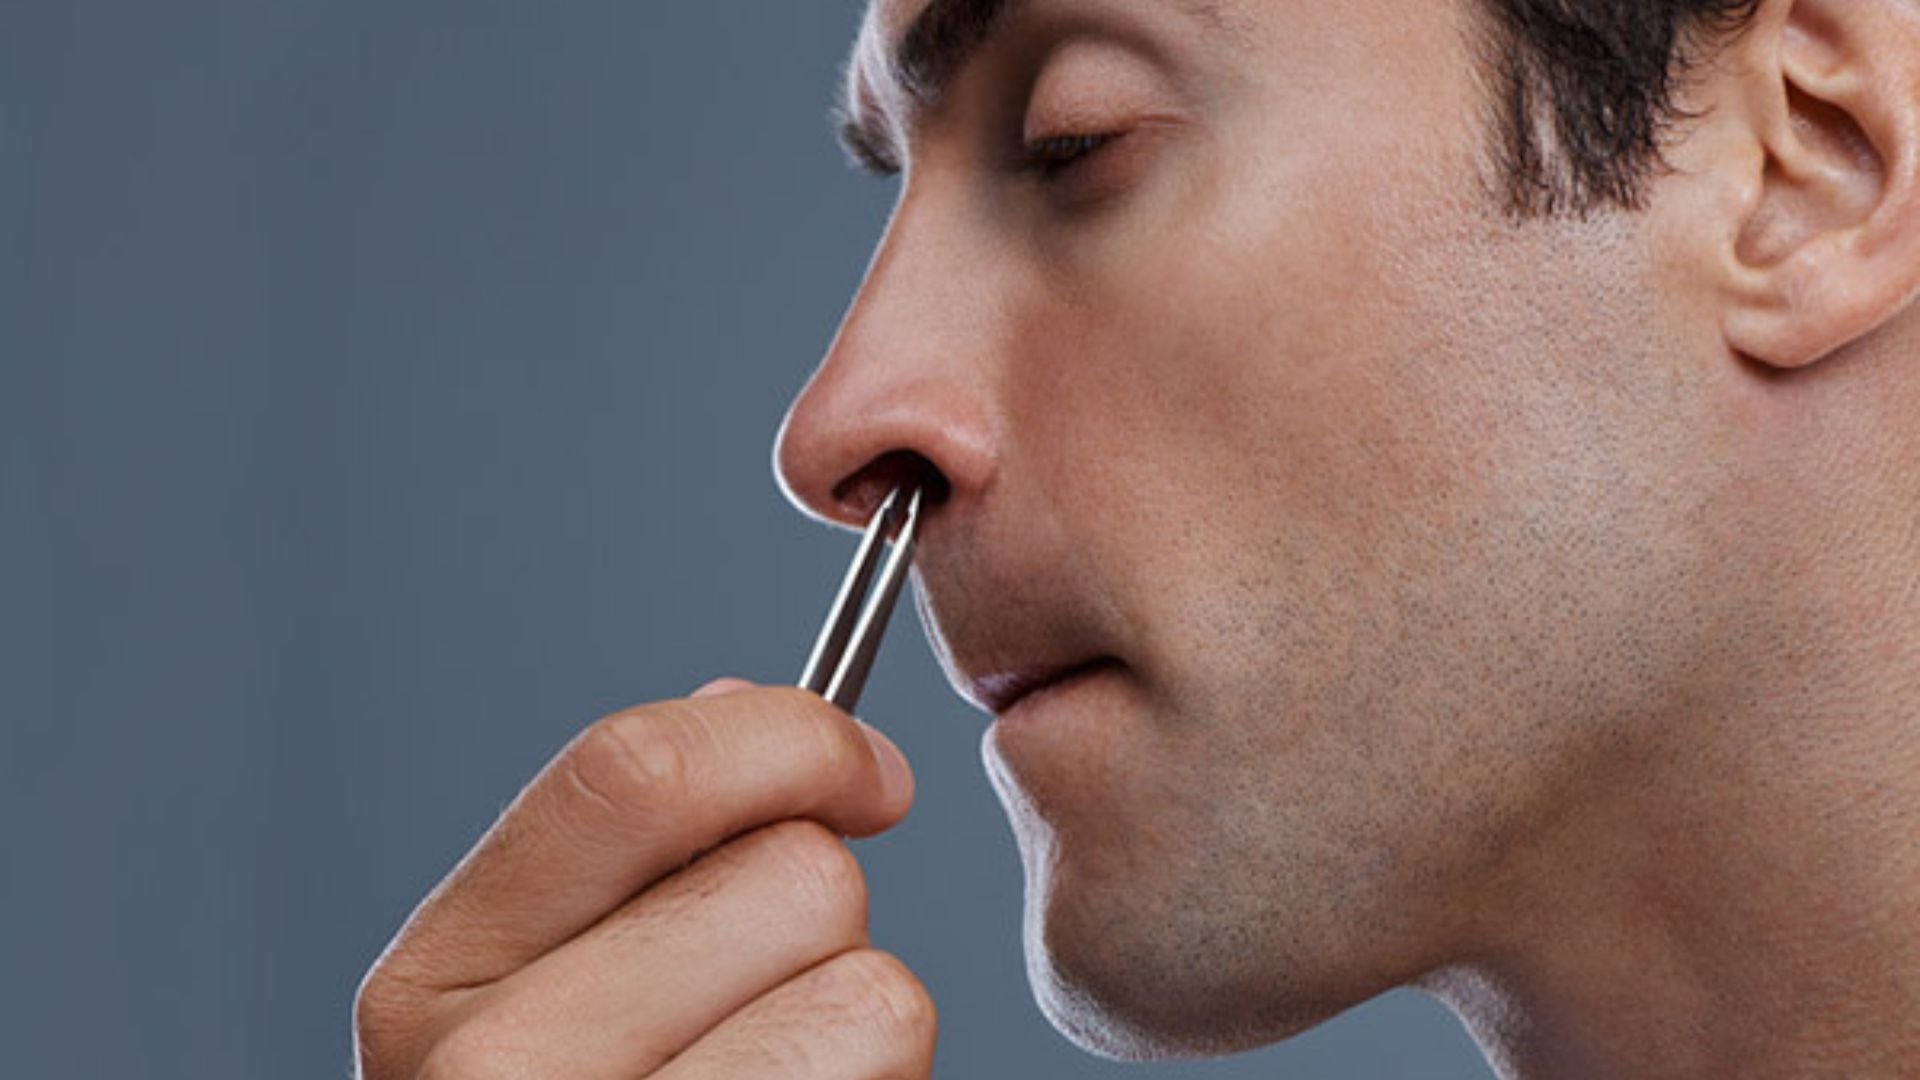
[(1004, 619), (999, 691)]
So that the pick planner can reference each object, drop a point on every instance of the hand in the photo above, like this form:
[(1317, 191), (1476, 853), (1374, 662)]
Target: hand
[(669, 898)]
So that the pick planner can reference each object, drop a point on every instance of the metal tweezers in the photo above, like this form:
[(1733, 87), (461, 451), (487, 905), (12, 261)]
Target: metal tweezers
[(844, 652)]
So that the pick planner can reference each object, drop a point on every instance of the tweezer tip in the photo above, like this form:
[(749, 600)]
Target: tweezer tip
[(901, 505)]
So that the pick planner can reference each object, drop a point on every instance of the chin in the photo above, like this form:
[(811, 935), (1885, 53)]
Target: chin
[(1160, 925), (1158, 989)]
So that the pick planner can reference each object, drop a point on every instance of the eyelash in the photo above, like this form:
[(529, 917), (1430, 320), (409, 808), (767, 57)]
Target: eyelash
[(1056, 154)]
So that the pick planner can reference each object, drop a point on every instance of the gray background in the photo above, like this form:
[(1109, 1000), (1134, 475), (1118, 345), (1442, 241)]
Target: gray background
[(386, 390)]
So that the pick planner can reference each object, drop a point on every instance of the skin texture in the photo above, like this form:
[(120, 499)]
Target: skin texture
[(670, 897), (1528, 611)]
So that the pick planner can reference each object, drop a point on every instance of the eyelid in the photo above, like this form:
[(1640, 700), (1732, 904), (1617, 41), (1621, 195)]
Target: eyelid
[(1086, 85), (1052, 155)]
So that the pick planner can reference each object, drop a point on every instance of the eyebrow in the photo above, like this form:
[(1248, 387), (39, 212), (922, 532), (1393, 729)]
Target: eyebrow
[(937, 44)]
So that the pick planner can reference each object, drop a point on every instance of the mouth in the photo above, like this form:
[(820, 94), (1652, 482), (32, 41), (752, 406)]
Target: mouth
[(1000, 692)]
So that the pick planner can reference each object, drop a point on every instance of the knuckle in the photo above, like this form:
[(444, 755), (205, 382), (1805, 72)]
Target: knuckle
[(635, 763), (383, 1010), (372, 1000), (396, 1017), (888, 996), (819, 866)]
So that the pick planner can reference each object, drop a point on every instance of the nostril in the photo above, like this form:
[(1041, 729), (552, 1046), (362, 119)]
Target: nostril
[(859, 495)]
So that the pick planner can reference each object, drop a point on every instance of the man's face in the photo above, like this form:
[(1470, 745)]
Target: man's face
[(1389, 518)]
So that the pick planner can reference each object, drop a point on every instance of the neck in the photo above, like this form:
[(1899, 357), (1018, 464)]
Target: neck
[(1753, 912)]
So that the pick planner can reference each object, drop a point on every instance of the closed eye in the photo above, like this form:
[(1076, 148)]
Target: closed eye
[(1056, 154)]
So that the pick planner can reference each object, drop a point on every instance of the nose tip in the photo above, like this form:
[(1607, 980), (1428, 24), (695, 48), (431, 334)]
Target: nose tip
[(824, 489), (807, 481), (837, 458)]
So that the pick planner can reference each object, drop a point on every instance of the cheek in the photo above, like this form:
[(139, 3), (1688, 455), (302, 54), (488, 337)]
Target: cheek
[(1235, 398), (1244, 418)]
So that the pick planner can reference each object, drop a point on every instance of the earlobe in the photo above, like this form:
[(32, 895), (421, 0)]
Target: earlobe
[(1830, 248)]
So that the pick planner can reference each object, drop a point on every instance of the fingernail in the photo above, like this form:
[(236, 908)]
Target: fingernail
[(895, 776), (722, 685)]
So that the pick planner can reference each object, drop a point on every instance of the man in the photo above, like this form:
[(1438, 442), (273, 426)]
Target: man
[(1432, 491)]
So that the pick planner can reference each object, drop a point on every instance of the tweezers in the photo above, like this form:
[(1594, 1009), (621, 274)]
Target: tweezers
[(844, 652)]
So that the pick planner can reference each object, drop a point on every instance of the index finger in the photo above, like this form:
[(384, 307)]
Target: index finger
[(633, 798)]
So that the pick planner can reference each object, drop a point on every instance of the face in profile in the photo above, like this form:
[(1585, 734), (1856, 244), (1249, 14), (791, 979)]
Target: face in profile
[(1371, 528)]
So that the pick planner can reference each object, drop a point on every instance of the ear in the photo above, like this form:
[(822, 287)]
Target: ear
[(1828, 247)]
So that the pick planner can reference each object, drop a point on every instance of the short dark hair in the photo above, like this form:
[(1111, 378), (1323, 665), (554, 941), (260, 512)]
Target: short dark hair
[(1584, 93)]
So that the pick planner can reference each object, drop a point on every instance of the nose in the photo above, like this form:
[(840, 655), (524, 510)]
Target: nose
[(905, 387)]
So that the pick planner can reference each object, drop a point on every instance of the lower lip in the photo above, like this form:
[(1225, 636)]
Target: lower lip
[(1039, 697)]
